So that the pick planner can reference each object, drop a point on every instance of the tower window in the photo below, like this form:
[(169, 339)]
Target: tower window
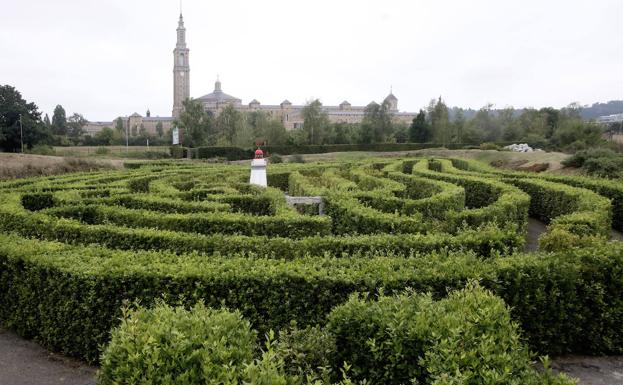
[(181, 59)]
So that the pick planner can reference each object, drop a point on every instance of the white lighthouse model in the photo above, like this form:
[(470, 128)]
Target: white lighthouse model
[(258, 169)]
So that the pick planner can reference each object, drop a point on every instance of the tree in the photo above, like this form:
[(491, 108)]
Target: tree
[(159, 129), (75, 126), (228, 124), (376, 126), (552, 116), (119, 124), (459, 126), (105, 137), (401, 133), (440, 124), (344, 133), (315, 122), (419, 130), (196, 124), (59, 121), (12, 105), (46, 121)]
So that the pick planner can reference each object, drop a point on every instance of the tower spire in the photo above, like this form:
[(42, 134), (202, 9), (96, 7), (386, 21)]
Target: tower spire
[(181, 69)]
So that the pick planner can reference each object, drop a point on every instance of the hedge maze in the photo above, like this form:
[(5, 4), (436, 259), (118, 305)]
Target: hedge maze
[(75, 248)]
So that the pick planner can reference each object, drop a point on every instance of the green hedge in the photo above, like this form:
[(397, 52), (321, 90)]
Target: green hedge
[(235, 153), (607, 188), (230, 153), (487, 200), (177, 346), (294, 226), (69, 297), (466, 338), (38, 201), (485, 241)]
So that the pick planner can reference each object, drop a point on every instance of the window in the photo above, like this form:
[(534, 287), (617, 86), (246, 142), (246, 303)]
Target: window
[(181, 59)]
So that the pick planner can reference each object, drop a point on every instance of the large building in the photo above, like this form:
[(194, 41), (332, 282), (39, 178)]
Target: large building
[(214, 102)]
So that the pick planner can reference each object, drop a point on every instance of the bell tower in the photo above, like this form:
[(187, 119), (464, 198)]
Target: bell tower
[(181, 70)]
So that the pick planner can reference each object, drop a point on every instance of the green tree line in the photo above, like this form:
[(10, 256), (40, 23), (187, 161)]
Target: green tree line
[(546, 127)]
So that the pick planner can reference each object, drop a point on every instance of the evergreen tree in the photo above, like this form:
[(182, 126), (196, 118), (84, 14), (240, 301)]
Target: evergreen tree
[(46, 121), (440, 122), (419, 130), (59, 121)]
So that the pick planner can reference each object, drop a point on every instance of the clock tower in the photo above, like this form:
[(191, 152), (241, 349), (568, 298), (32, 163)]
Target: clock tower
[(181, 70)]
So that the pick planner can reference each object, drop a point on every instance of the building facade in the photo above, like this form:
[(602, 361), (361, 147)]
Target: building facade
[(289, 114)]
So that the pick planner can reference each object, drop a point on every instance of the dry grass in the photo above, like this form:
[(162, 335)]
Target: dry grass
[(26, 165)]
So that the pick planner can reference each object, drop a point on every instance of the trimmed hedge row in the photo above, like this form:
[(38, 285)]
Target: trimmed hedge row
[(579, 212), (69, 297), (348, 215), (487, 200), (605, 187), (576, 216), (485, 241), (293, 226)]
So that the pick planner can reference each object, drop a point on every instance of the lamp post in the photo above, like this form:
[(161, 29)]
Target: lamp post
[(21, 132)]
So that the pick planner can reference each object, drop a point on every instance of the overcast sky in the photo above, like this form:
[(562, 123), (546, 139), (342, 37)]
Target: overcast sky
[(105, 58)]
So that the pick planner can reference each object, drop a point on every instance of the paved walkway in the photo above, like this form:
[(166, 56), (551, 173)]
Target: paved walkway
[(24, 362)]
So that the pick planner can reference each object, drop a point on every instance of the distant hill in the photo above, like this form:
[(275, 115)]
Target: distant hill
[(588, 112), (601, 109)]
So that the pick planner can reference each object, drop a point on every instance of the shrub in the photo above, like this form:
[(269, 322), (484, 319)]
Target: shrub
[(178, 152), (167, 345), (102, 151), (38, 201), (600, 162), (489, 146), (42, 149), (467, 338), (276, 158)]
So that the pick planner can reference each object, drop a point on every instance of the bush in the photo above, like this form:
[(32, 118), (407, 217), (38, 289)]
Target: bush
[(467, 338), (102, 151), (489, 146), (166, 345), (42, 149), (38, 201), (276, 158), (178, 152), (600, 162)]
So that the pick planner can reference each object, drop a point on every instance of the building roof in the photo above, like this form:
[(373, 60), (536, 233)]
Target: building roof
[(218, 95), (391, 97)]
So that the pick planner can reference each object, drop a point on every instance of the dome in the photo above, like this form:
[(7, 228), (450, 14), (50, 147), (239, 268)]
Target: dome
[(391, 97), (218, 96)]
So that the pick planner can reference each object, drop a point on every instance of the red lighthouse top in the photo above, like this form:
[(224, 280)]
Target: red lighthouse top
[(259, 154)]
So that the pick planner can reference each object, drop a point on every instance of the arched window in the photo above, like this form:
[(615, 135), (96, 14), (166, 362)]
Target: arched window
[(181, 59)]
